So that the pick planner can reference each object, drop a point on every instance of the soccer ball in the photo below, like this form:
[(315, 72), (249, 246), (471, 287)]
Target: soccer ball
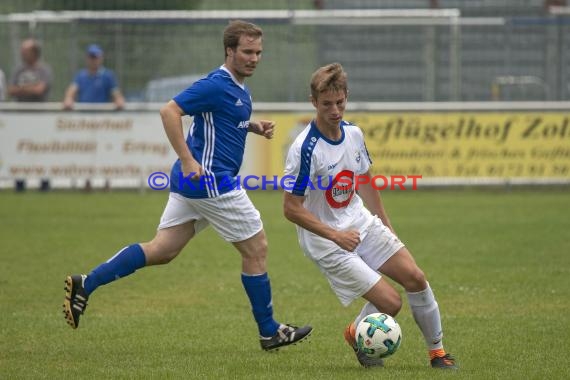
[(378, 335)]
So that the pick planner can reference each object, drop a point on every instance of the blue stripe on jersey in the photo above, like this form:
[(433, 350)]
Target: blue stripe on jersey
[(306, 157), (208, 153)]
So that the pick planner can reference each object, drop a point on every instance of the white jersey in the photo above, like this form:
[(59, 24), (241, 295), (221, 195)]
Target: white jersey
[(324, 172)]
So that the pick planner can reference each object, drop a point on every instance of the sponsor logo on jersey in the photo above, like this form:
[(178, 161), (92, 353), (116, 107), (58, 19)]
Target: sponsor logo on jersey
[(243, 124), (332, 166), (239, 103), (341, 190)]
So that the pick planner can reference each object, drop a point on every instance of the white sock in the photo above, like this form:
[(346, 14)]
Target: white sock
[(368, 308), (426, 313)]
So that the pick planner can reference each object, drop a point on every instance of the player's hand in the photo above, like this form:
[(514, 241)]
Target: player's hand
[(265, 128), (192, 167), (347, 240)]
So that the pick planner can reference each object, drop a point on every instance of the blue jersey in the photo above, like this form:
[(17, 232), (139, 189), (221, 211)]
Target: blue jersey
[(221, 108), (96, 88)]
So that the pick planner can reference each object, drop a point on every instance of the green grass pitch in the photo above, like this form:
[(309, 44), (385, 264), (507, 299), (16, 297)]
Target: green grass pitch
[(498, 261)]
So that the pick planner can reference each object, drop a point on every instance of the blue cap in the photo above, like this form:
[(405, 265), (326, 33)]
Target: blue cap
[(94, 50)]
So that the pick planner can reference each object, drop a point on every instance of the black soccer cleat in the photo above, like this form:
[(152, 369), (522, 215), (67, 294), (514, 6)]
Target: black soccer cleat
[(285, 335), (75, 299), (444, 362)]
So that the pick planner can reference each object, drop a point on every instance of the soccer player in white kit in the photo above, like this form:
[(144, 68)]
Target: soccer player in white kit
[(213, 150), (354, 246)]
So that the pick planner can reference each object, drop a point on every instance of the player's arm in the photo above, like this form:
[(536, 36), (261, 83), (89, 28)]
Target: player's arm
[(373, 201), (265, 128), (171, 115), (296, 213)]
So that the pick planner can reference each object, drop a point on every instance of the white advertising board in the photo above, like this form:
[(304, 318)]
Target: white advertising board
[(72, 147)]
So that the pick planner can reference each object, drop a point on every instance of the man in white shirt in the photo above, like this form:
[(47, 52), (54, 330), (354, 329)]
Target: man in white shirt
[(353, 246)]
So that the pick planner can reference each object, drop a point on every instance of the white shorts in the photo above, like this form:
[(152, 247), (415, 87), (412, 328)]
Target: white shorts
[(352, 274), (232, 214)]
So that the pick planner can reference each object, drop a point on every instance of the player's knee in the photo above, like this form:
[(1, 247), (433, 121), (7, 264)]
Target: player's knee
[(259, 251), (254, 260), (416, 281), (263, 247)]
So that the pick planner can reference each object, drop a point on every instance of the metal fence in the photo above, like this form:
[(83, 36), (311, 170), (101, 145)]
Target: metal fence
[(463, 54)]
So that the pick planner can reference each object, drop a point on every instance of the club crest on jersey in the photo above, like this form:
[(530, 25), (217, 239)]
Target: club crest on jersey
[(341, 190), (243, 124), (239, 103)]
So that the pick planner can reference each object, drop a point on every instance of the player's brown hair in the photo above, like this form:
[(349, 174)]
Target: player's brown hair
[(331, 77), (235, 30)]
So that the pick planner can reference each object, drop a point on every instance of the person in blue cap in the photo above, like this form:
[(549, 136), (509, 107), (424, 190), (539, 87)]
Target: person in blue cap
[(95, 83)]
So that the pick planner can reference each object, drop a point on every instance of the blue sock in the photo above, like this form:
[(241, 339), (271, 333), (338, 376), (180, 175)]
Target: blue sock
[(258, 290), (125, 262)]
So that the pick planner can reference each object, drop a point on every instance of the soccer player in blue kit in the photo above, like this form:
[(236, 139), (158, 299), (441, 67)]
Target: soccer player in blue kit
[(354, 246), (221, 106)]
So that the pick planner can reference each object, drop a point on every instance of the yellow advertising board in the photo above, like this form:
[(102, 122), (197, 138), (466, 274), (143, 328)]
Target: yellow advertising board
[(449, 144)]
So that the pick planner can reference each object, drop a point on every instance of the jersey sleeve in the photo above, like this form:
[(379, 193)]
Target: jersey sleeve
[(299, 170), (198, 98)]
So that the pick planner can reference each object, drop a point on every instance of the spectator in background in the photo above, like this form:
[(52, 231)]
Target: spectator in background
[(2, 86), (95, 83), (32, 80)]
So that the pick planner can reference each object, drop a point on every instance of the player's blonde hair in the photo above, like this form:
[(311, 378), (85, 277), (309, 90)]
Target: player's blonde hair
[(331, 77), (235, 30)]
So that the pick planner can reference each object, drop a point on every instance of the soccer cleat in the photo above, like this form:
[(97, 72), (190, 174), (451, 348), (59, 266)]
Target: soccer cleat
[(75, 299), (445, 362), (285, 335), (363, 359)]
